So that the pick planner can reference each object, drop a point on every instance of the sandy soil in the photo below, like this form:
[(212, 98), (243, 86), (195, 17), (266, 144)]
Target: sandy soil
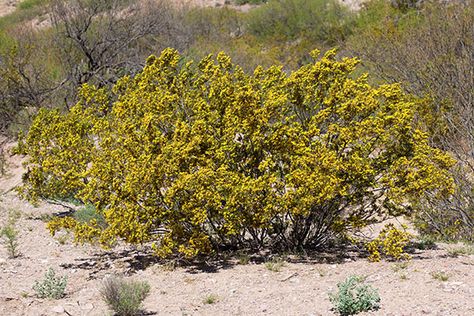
[(301, 286), (7, 6)]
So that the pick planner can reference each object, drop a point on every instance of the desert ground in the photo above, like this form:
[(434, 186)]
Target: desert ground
[(300, 286), (7, 6)]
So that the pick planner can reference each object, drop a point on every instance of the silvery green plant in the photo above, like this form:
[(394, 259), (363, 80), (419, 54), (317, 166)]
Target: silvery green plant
[(354, 296), (51, 286)]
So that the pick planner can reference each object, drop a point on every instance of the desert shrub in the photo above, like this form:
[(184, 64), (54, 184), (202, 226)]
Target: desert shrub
[(51, 286), (10, 233), (3, 163), (210, 299), (431, 51), (325, 22), (391, 242), (450, 219), (461, 250), (440, 276), (198, 157), (124, 297), (10, 236), (354, 296), (405, 5), (424, 243), (24, 84), (214, 25), (28, 4)]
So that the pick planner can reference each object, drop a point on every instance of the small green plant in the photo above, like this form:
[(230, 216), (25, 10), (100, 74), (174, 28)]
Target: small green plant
[(45, 217), (403, 276), (440, 276), (10, 236), (62, 239), (322, 272), (210, 299), (425, 243), (400, 266), (51, 286), (354, 296), (124, 297), (28, 4), (89, 214), (14, 216), (169, 265), (464, 250), (243, 258), (275, 264)]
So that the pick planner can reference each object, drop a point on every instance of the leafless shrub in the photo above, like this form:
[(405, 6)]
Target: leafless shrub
[(124, 297), (26, 81), (101, 40), (432, 54)]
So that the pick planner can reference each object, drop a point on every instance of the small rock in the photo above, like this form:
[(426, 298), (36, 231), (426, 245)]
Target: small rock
[(87, 307), (456, 283), (373, 278), (58, 309), (295, 280)]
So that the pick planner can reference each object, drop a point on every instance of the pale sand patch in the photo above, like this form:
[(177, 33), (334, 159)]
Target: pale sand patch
[(7, 6)]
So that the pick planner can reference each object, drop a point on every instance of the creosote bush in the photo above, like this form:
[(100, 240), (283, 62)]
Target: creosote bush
[(51, 286), (391, 242), (354, 296), (124, 297), (197, 156)]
